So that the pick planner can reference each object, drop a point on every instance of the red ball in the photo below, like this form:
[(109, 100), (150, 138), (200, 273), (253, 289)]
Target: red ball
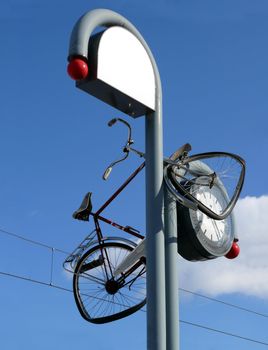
[(233, 252), (77, 69)]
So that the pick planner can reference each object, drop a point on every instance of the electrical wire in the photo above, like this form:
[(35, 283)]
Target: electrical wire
[(181, 321), (35, 281), (181, 289), (224, 333), (15, 235), (223, 302), (53, 249)]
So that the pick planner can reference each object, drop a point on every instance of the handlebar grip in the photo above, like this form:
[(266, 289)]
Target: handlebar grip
[(112, 122), (107, 173)]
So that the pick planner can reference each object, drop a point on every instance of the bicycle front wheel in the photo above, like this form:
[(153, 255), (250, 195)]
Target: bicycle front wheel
[(99, 295), (196, 179)]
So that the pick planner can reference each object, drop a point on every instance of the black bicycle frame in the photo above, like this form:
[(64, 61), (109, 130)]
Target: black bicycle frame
[(96, 216), (130, 230)]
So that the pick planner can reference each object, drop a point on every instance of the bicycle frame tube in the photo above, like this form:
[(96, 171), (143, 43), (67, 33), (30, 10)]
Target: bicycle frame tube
[(120, 189), (97, 217), (108, 268), (124, 275), (99, 234), (120, 227)]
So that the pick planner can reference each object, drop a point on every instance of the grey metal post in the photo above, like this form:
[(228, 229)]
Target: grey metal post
[(172, 279), (156, 313), (155, 242)]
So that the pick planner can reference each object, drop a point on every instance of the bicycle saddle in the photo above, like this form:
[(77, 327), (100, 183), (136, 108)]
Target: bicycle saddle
[(83, 212)]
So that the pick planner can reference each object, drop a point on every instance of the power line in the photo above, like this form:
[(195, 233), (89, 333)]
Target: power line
[(223, 302), (15, 235), (35, 281), (53, 249), (28, 279), (181, 321), (223, 332)]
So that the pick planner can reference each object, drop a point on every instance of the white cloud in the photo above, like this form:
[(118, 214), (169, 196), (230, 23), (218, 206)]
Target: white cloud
[(246, 274)]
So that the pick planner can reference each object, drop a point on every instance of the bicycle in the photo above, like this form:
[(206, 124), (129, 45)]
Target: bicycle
[(109, 273)]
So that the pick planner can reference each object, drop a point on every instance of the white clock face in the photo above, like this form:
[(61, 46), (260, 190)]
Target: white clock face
[(214, 230), (215, 200)]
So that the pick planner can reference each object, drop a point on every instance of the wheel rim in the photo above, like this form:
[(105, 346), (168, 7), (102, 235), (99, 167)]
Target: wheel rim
[(99, 297)]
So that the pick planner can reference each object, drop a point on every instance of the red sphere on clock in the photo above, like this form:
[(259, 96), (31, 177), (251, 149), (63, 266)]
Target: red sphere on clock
[(233, 252)]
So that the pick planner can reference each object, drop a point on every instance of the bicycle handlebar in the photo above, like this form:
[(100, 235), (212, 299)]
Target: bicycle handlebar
[(114, 120), (181, 153), (126, 147)]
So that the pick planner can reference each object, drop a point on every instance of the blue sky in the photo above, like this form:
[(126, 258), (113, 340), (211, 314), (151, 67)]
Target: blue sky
[(55, 144)]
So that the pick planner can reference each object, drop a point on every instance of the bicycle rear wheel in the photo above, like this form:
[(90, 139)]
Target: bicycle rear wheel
[(99, 296)]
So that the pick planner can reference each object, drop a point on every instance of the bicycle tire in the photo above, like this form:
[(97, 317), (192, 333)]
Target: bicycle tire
[(95, 303), (207, 163)]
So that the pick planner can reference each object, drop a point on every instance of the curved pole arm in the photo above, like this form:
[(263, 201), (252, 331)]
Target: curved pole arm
[(85, 26)]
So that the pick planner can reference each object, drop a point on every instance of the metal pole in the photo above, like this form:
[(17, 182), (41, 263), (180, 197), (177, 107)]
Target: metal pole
[(156, 317), (172, 279), (155, 240)]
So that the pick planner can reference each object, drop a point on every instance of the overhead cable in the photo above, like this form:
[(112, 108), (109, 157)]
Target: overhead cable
[(181, 321), (53, 249)]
